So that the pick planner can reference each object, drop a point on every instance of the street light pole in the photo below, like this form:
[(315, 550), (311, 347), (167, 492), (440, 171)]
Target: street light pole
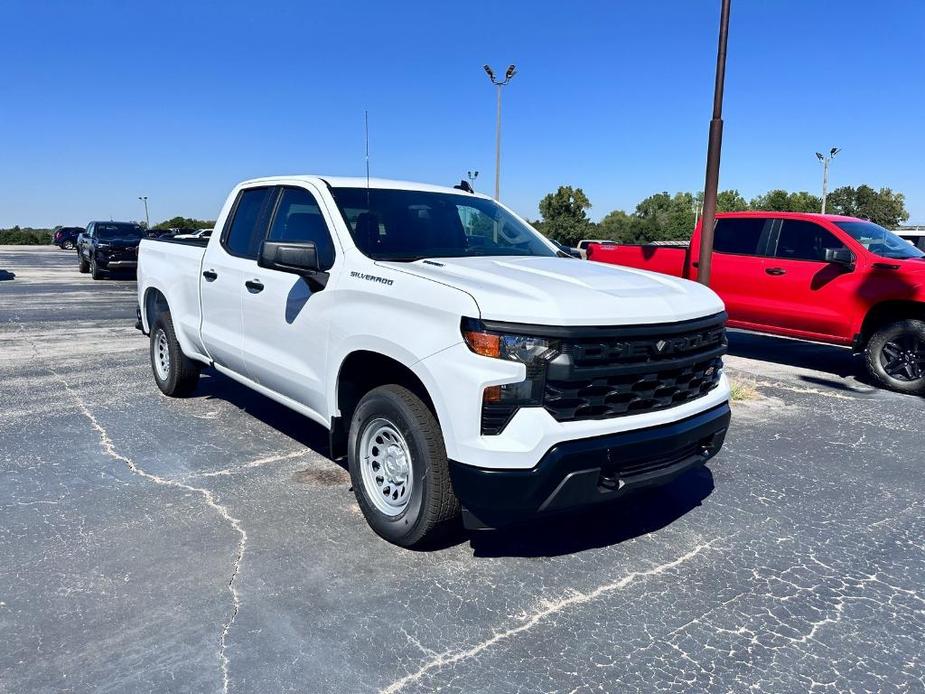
[(144, 198), (825, 159), (714, 147), (511, 71)]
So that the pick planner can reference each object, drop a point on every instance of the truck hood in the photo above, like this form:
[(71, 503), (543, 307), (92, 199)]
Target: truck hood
[(566, 291)]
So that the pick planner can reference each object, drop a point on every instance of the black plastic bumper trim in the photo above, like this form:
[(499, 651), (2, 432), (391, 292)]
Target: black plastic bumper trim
[(577, 473)]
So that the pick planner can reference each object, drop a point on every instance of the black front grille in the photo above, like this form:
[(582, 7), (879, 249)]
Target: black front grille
[(613, 372)]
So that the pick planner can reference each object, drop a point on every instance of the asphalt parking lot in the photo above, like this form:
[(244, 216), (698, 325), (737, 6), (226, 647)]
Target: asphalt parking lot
[(152, 544)]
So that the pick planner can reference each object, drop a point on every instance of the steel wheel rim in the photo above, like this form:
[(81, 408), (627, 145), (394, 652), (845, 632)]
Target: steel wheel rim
[(161, 355), (903, 358), (385, 467)]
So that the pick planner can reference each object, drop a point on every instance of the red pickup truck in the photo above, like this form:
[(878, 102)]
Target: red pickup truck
[(826, 278)]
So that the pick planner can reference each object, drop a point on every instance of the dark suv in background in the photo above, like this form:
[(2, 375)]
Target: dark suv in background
[(66, 237), (108, 246)]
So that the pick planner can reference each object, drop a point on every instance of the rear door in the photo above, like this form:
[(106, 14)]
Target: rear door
[(227, 264), (738, 267), (809, 295), (286, 317)]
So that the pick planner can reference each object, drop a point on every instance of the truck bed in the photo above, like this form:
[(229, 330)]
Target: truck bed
[(669, 260)]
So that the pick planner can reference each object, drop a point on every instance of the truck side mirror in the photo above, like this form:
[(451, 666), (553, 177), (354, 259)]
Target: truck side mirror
[(839, 256), (300, 258)]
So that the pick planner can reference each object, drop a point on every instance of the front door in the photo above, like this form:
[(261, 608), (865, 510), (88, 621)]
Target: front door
[(225, 268), (809, 296), (286, 317)]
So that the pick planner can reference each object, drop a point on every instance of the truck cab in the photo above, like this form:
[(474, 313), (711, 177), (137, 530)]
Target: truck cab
[(461, 365)]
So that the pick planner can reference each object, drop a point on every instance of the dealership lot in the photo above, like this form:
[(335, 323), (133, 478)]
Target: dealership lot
[(209, 543)]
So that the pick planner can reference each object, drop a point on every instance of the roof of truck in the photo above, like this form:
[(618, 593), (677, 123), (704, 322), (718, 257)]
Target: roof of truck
[(792, 215), (361, 182)]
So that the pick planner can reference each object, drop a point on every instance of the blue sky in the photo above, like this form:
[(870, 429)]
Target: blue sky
[(101, 102)]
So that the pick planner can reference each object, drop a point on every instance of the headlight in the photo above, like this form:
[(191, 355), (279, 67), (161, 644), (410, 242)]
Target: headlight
[(103, 245), (500, 403)]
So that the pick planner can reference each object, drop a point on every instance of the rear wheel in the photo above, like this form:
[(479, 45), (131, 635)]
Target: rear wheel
[(895, 356), (399, 468), (68, 245), (175, 373)]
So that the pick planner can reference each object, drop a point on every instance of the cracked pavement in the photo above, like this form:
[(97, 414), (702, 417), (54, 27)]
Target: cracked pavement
[(144, 540)]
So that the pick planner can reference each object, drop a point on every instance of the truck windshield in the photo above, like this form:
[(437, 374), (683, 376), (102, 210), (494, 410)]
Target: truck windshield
[(880, 241), (408, 225), (116, 230)]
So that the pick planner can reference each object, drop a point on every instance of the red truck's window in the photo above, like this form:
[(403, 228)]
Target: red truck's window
[(745, 236), (800, 240)]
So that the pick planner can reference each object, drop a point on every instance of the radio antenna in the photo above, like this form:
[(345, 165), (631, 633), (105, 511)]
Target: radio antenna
[(366, 127)]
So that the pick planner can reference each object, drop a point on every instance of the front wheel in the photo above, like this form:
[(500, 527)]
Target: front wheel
[(95, 270), (82, 264), (175, 373), (399, 468), (895, 356)]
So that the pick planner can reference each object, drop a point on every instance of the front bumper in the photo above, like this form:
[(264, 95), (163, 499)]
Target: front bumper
[(587, 471), (117, 264)]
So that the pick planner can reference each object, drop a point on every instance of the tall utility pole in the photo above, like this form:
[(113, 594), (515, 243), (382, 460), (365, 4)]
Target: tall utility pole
[(498, 84), (144, 198), (714, 146), (825, 159)]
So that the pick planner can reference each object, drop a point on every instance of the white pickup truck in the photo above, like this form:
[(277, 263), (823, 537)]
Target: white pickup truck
[(460, 362)]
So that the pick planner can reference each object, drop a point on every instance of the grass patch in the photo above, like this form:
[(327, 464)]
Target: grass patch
[(742, 389)]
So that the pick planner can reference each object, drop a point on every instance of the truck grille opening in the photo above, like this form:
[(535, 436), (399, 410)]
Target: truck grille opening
[(626, 371)]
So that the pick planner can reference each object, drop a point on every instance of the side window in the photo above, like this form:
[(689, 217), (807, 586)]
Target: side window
[(742, 236), (800, 240), (245, 233), (298, 218)]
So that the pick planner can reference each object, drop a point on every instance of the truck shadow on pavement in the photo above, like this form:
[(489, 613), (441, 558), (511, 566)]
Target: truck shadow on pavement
[(608, 524), (288, 422), (838, 368)]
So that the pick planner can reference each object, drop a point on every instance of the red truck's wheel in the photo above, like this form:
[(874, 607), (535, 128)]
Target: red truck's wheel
[(399, 468), (895, 356)]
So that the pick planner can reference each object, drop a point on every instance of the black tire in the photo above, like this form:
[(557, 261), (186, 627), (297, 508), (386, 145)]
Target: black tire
[(68, 246), (181, 373), (895, 356), (82, 265), (95, 270), (432, 508)]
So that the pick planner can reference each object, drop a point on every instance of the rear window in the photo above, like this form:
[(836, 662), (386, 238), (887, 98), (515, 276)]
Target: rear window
[(740, 236)]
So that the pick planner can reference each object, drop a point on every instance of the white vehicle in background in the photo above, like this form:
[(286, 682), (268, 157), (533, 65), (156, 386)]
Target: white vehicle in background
[(461, 364), (198, 234), (584, 243), (913, 234)]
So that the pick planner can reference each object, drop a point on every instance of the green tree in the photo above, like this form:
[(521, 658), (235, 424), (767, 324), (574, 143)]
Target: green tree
[(565, 216), (665, 217), (185, 223), (728, 201), (778, 200), (883, 207), (621, 227)]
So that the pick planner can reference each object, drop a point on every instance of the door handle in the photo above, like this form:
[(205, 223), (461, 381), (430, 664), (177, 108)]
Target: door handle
[(210, 275), (254, 286), (775, 271)]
